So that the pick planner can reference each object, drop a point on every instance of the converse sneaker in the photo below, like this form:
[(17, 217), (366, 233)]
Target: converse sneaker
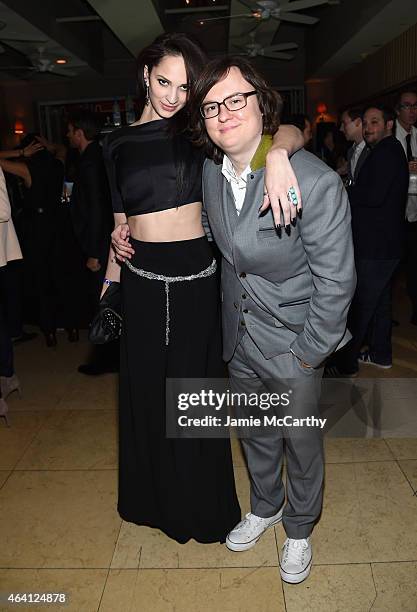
[(247, 532), (366, 358), (295, 564)]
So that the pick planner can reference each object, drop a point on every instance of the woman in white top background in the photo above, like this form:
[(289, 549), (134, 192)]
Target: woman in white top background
[(9, 251)]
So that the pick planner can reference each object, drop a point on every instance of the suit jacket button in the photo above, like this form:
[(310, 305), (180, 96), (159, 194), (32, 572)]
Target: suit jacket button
[(244, 296), (243, 323), (234, 304), (242, 275), (245, 310), (252, 176)]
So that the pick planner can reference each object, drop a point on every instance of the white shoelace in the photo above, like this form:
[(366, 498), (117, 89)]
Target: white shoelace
[(250, 519), (294, 551)]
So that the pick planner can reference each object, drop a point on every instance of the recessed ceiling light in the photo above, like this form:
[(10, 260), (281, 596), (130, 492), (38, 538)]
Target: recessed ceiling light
[(61, 60)]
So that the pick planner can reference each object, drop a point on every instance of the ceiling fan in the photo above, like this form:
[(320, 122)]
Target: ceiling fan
[(41, 64), (263, 10), (254, 49), (19, 40)]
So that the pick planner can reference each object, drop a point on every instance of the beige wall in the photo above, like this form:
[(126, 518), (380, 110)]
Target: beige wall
[(389, 68)]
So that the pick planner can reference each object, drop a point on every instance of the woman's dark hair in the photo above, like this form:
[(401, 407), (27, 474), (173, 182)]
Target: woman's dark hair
[(270, 102), (39, 156), (175, 44)]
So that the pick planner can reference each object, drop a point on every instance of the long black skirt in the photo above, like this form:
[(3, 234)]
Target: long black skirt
[(184, 487)]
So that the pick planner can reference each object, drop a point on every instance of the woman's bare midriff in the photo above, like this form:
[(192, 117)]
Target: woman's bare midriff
[(182, 223)]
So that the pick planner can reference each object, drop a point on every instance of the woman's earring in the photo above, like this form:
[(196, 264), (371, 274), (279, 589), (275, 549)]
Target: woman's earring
[(146, 93)]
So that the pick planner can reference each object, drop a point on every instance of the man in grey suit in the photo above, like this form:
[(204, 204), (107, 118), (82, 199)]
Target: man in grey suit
[(285, 295)]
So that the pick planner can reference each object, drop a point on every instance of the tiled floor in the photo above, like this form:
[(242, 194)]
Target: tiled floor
[(60, 532)]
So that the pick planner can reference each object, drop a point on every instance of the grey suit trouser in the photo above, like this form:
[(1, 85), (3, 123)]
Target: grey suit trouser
[(303, 445)]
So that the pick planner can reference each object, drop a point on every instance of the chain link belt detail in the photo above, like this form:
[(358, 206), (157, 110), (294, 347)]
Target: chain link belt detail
[(171, 279)]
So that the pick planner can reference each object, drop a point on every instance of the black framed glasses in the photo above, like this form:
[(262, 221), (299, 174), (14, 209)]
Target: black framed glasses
[(237, 101)]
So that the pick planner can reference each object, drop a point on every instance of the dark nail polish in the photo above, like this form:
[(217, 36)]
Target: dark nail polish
[(300, 213), (279, 231), (294, 221), (288, 230)]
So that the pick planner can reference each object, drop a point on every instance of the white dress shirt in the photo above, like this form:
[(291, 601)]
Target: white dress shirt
[(238, 183), (357, 150), (401, 134)]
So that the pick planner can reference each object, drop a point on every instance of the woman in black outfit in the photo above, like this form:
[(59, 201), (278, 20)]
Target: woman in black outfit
[(185, 487)]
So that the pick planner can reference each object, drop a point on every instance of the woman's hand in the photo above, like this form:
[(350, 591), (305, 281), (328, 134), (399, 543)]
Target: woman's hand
[(120, 242), (44, 143), (279, 178), (32, 148)]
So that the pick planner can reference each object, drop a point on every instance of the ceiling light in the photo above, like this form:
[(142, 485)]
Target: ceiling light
[(61, 60)]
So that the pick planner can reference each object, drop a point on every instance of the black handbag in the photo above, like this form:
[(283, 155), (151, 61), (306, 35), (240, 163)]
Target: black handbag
[(107, 323)]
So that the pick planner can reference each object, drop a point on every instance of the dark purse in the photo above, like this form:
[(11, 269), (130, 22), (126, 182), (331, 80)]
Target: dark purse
[(107, 323)]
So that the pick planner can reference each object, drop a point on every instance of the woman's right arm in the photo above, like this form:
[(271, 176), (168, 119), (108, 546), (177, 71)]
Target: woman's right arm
[(18, 169), (5, 211), (113, 266)]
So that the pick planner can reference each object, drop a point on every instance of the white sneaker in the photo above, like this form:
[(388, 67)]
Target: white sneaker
[(295, 563), (247, 532)]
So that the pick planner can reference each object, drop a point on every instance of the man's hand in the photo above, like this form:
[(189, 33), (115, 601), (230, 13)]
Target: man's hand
[(93, 264), (120, 242), (279, 177)]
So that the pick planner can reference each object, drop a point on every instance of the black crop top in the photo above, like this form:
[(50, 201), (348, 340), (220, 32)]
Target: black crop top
[(142, 164)]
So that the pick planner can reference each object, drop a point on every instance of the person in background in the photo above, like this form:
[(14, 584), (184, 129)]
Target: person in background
[(304, 124), (351, 127), (9, 251), (406, 132), (92, 219), (332, 150), (15, 269), (378, 200), (43, 176)]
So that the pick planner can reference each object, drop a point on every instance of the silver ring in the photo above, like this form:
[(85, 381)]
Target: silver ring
[(292, 196)]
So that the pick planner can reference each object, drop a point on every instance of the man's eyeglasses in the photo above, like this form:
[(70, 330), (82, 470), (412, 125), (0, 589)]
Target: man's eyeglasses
[(232, 103), (408, 106)]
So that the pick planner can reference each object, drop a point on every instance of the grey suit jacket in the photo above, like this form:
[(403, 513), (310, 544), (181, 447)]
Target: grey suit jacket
[(291, 292)]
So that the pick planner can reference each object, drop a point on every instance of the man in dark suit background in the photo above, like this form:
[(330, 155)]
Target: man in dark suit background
[(92, 218), (351, 127), (378, 199)]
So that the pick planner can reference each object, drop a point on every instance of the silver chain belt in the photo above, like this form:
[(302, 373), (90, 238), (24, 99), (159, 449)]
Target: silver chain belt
[(171, 279)]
